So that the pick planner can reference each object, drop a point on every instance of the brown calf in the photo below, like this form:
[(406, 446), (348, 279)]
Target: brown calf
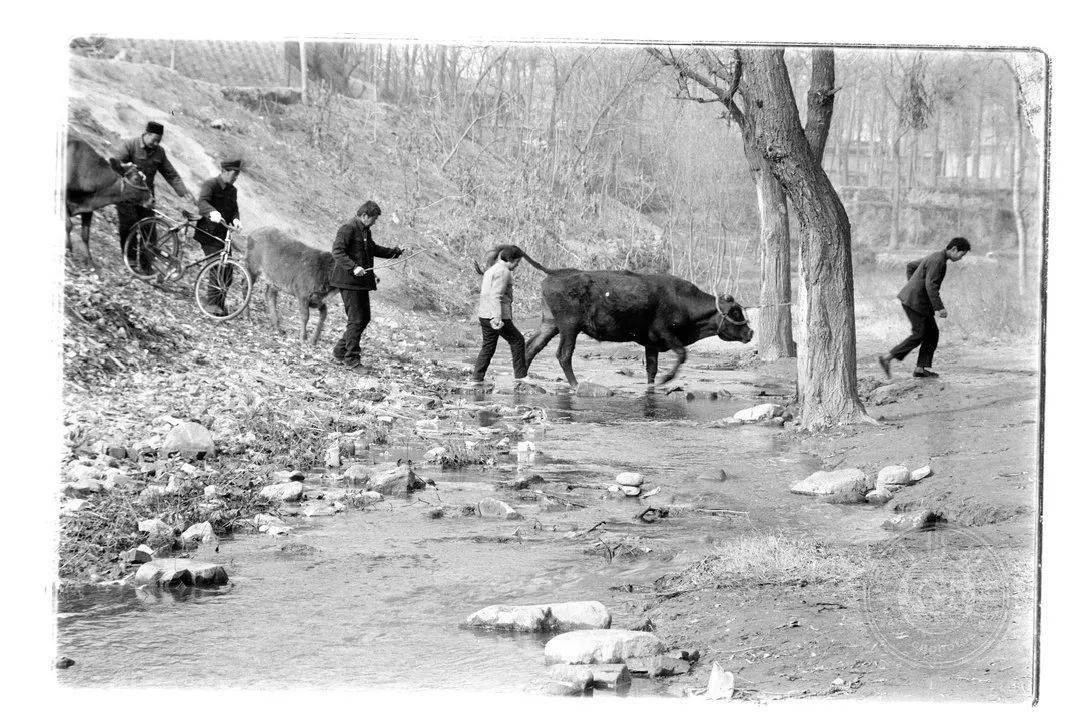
[(288, 265)]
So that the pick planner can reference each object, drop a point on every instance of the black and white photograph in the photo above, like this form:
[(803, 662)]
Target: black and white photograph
[(705, 373)]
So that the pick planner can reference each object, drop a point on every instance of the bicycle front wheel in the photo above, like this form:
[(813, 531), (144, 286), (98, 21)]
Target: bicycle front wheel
[(152, 250), (222, 289)]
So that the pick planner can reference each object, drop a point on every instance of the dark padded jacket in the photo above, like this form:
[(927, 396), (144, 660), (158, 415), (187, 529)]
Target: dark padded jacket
[(215, 194), (923, 290), (151, 161), (354, 247)]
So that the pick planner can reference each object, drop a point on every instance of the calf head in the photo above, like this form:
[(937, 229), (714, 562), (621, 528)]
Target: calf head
[(732, 324)]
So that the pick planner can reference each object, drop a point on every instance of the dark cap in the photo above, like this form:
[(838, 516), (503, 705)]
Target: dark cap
[(232, 163), (370, 208), (155, 128)]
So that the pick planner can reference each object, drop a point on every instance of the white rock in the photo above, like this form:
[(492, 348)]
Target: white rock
[(210, 491), (140, 554), (276, 530), (371, 496), (494, 508), (290, 491), (264, 520), (180, 572), (613, 676), (879, 496), (332, 456), (630, 490), (721, 684), (629, 479), (614, 489), (601, 646), (157, 528), (189, 439), (73, 505), (199, 534), (190, 469), (357, 474), (536, 618), (920, 473), (846, 480), (435, 453), (758, 413), (428, 424), (394, 480), (893, 476)]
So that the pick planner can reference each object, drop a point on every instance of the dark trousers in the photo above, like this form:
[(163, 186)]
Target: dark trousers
[(924, 334), (491, 339), (212, 244), (358, 314), (127, 215)]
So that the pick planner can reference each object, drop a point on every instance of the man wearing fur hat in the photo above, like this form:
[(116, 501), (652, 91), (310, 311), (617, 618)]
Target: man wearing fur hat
[(148, 155), (219, 210)]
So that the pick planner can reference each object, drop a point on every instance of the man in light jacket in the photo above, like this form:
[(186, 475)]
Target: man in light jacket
[(496, 317), (921, 299)]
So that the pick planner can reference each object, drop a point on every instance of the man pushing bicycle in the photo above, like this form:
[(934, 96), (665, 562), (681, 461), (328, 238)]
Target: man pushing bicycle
[(219, 209)]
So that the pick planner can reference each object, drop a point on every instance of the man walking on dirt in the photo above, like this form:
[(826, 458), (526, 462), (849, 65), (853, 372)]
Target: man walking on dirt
[(354, 259), (148, 155), (921, 299), (219, 210)]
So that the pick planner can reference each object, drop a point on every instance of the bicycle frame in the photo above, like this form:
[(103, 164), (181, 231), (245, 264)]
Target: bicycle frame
[(189, 223)]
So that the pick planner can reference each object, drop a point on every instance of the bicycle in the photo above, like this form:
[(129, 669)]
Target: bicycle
[(154, 252)]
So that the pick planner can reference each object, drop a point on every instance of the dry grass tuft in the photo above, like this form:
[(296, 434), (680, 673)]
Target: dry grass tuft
[(765, 560)]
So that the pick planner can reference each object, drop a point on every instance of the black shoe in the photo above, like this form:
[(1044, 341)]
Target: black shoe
[(884, 363), (924, 373), (355, 364)]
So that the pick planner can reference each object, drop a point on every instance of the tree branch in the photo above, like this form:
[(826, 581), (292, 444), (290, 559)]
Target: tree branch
[(725, 96), (819, 101)]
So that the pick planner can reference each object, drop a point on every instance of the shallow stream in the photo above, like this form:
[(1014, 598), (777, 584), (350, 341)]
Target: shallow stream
[(376, 598)]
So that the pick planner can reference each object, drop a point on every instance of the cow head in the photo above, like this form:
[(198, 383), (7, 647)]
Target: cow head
[(732, 324), (133, 185)]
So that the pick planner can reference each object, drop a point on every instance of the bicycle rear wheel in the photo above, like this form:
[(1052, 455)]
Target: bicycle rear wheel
[(222, 289), (152, 250)]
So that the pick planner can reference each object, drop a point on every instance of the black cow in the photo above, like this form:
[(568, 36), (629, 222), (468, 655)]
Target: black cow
[(660, 312), (93, 182)]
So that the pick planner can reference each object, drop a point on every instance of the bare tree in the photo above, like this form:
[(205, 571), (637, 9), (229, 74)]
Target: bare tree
[(774, 333), (826, 362)]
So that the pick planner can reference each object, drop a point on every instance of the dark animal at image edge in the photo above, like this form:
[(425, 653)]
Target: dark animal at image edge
[(298, 269), (94, 182), (659, 312)]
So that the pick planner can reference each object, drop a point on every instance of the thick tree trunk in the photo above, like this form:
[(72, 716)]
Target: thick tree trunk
[(773, 330), (1017, 190), (826, 366)]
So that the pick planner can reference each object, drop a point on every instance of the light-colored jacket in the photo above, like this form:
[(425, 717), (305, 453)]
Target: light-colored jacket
[(496, 292)]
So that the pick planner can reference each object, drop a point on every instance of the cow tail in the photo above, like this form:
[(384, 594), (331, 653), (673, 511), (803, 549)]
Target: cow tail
[(534, 264)]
